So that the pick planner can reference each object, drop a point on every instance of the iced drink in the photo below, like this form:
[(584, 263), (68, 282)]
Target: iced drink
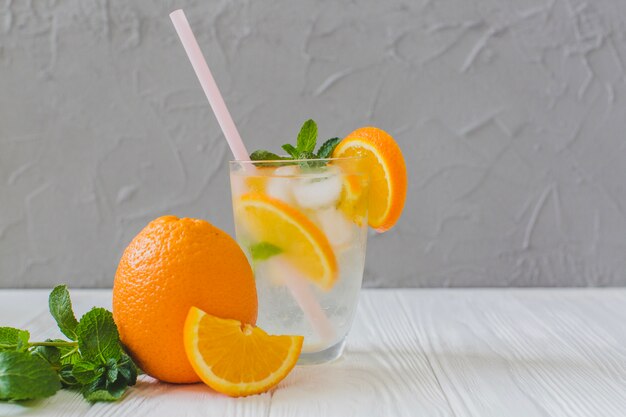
[(303, 226)]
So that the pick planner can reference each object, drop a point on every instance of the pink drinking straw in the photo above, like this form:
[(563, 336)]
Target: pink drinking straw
[(208, 85), (297, 286)]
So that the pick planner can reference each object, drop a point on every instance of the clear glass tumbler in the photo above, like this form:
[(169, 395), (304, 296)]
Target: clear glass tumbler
[(303, 226)]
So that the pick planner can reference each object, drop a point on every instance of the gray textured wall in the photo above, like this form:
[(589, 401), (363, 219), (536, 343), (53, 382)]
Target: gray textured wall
[(511, 114)]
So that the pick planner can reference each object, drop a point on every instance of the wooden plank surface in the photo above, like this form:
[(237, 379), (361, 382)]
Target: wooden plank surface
[(493, 352), (526, 352)]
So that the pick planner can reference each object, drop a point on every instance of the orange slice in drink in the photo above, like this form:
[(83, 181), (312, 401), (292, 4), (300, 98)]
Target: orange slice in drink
[(388, 178), (257, 180), (270, 220), (237, 359), (256, 184)]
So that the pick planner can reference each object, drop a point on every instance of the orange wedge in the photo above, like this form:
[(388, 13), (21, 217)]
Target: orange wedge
[(388, 178), (237, 359), (267, 219)]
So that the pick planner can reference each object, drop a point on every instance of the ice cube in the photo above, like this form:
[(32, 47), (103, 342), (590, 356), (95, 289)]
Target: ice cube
[(279, 186), (317, 192), (286, 171), (337, 228)]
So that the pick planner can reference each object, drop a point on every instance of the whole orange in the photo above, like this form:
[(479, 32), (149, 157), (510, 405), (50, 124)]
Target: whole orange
[(170, 266)]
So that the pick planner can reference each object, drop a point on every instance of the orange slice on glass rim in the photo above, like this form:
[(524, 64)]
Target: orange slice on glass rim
[(388, 177), (237, 359)]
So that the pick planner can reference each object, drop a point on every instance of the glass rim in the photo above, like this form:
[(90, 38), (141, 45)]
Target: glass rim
[(295, 161)]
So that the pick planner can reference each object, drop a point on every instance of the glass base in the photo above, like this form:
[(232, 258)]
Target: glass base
[(323, 356)]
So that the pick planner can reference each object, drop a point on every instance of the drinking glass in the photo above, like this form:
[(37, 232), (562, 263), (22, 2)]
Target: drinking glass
[(303, 226)]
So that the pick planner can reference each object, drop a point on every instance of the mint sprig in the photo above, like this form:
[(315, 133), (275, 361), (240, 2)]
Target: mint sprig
[(93, 361), (304, 149)]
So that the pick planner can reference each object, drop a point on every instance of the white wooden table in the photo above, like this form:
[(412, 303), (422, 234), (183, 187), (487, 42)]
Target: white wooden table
[(537, 352)]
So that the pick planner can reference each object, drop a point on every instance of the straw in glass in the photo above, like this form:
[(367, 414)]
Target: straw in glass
[(297, 285)]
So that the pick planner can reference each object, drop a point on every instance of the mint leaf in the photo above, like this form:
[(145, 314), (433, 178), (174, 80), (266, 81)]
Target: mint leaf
[(307, 138), (263, 250), (86, 372), (13, 339), (61, 353), (309, 160), (61, 359), (102, 395), (98, 339), (69, 356), (104, 391), (61, 309), (127, 370), (306, 155), (66, 375), (290, 150), (326, 150), (50, 354), (112, 371), (264, 156), (108, 382), (24, 377)]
